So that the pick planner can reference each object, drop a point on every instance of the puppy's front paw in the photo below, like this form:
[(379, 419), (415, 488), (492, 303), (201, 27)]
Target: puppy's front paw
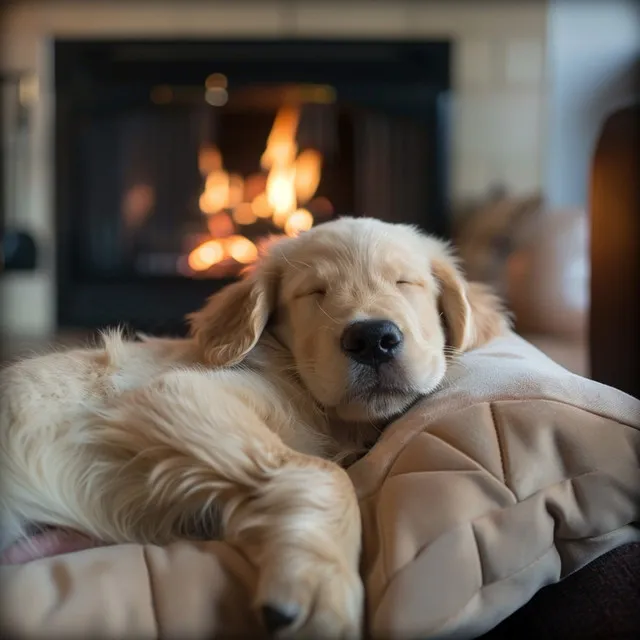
[(302, 594)]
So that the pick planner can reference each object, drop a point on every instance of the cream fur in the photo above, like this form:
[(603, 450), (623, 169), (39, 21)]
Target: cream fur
[(239, 428)]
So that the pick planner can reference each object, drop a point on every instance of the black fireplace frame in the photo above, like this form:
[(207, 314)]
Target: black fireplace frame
[(83, 303)]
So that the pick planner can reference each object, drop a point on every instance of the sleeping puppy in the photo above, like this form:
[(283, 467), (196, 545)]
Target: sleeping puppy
[(238, 430)]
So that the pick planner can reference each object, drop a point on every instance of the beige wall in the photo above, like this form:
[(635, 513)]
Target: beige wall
[(594, 62), (498, 103)]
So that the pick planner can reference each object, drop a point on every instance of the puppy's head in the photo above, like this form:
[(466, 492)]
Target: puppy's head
[(370, 312)]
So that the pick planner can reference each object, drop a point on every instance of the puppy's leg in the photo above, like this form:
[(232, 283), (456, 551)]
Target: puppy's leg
[(198, 444)]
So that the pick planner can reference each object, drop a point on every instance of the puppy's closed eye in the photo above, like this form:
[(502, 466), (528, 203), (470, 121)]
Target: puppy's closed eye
[(316, 291), (409, 283)]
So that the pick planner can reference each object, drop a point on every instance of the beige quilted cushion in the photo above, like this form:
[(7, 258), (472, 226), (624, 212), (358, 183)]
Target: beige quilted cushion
[(513, 475)]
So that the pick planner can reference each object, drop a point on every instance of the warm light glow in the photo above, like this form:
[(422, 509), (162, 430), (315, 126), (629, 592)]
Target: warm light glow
[(281, 144), (243, 214), (209, 160), (231, 201), (220, 225), (299, 221), (280, 219), (216, 97), (236, 190), (260, 206), (282, 152), (216, 193), (281, 193), (307, 176), (241, 249), (216, 80), (206, 255)]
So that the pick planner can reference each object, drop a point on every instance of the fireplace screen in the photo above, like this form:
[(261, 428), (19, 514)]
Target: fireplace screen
[(177, 162)]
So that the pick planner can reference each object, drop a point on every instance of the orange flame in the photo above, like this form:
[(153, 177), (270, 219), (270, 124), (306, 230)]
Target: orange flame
[(216, 193), (236, 190), (281, 144), (308, 169), (299, 221), (241, 249), (209, 160), (281, 193), (206, 255), (260, 206), (243, 214), (291, 179)]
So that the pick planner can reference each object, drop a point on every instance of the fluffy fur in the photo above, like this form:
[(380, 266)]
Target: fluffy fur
[(239, 428)]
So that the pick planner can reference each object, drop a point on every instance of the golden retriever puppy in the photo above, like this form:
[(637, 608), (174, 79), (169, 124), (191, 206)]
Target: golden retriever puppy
[(237, 430)]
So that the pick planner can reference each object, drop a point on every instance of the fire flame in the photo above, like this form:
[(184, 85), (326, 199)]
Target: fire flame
[(241, 249), (281, 193), (299, 221), (206, 255), (307, 174), (228, 200), (281, 144)]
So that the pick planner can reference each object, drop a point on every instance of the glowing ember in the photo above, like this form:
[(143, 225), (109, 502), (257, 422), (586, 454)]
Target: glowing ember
[(299, 221), (236, 190), (260, 206), (243, 214), (281, 144), (307, 176), (206, 255), (241, 249), (281, 193), (216, 193), (230, 201), (209, 160), (280, 219)]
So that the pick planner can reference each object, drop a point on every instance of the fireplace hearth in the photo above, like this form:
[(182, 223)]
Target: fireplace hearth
[(175, 161)]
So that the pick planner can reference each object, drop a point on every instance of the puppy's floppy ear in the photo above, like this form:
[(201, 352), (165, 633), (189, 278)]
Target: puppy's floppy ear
[(232, 321), (473, 314)]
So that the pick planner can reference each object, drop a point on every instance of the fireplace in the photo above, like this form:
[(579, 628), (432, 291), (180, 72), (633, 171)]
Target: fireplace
[(177, 161)]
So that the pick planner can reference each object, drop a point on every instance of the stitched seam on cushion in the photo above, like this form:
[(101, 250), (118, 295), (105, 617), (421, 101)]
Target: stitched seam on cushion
[(528, 566), (389, 468), (391, 462), (466, 604), (502, 450), (482, 586), (469, 458), (152, 594), (472, 522), (510, 576), (383, 539)]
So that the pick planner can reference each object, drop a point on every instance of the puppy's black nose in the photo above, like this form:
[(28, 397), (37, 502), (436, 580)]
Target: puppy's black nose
[(372, 341), (278, 617)]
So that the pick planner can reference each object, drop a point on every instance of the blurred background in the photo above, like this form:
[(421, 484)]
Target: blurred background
[(150, 147)]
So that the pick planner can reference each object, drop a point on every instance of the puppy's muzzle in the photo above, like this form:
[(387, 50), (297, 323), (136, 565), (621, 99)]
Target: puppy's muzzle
[(372, 342)]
